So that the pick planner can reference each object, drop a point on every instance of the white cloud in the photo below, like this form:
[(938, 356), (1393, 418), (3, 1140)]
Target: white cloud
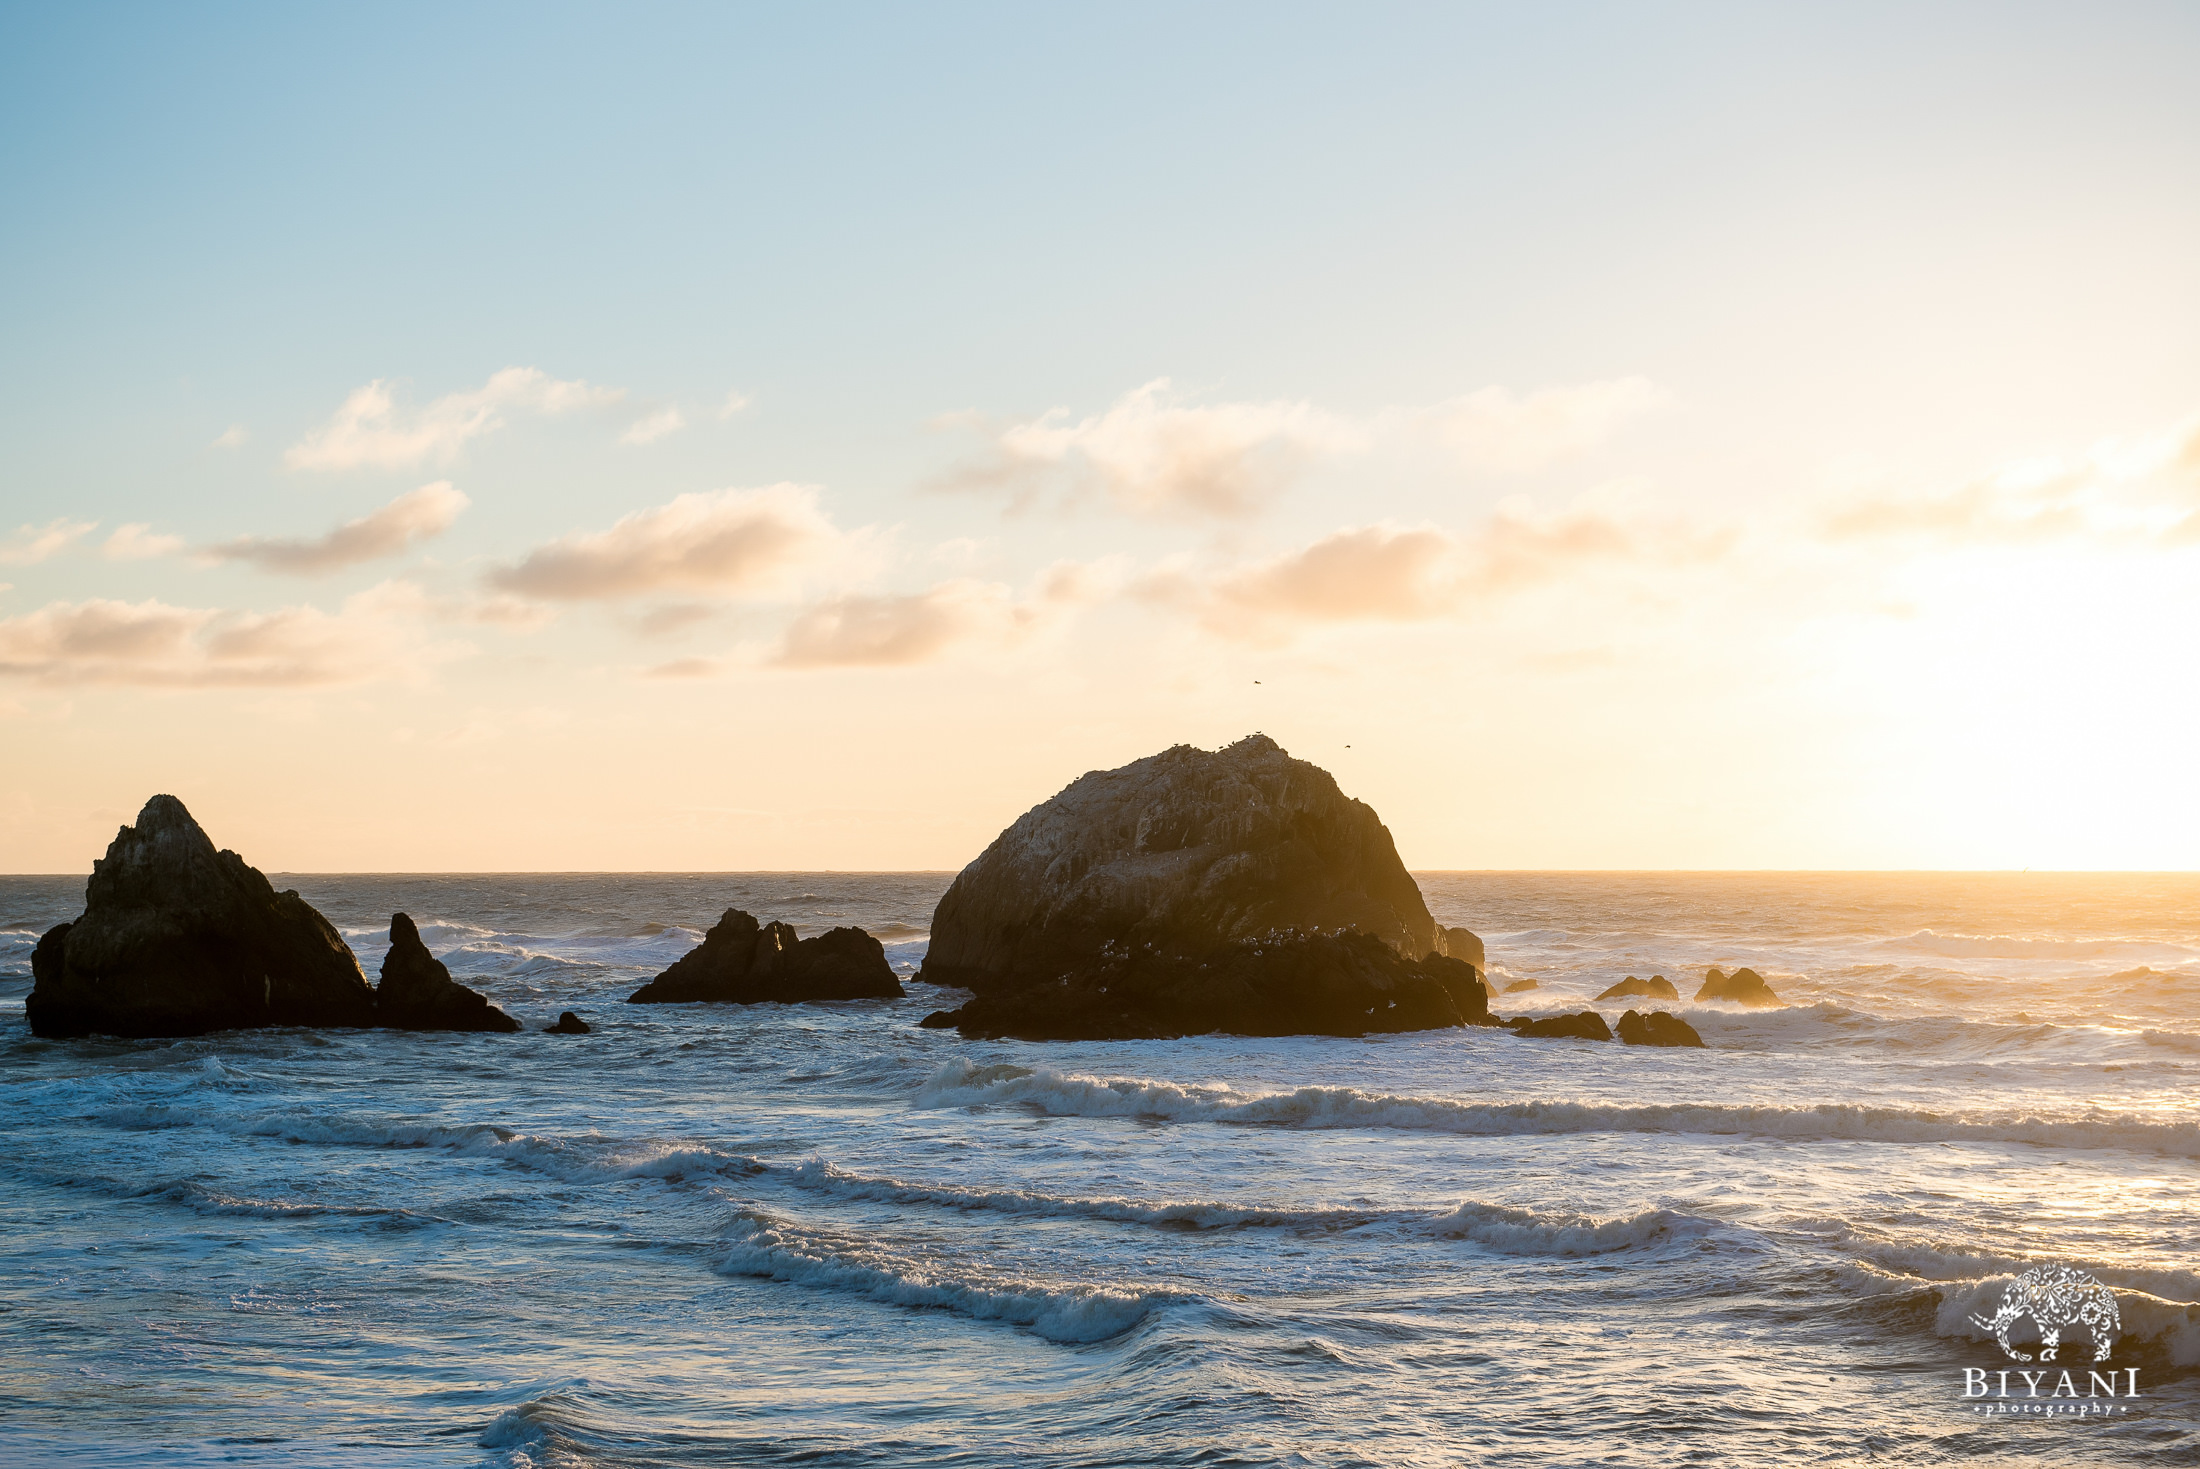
[(1153, 453), (370, 430), (410, 518), (651, 428), (887, 631), (729, 542), (1500, 430), (136, 542), (34, 543), (736, 401), (151, 644), (230, 437)]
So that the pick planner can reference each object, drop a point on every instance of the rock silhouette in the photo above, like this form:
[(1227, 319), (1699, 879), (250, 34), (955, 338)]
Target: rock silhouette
[(1656, 987), (1233, 890), (177, 938), (743, 962), (1586, 1026), (1743, 987), (418, 993), (568, 1024), (1656, 1029)]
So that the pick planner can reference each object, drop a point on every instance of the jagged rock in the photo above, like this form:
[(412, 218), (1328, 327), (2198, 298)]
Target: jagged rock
[(1656, 987), (1293, 984), (568, 1024), (1458, 943), (1520, 984), (1657, 1029), (1199, 890), (1587, 1026), (1744, 987), (743, 962), (179, 939), (418, 993)]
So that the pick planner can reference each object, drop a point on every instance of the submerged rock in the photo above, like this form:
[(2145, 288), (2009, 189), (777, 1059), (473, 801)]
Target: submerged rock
[(1587, 1026), (743, 962), (568, 1024), (1657, 1029), (1292, 984), (1743, 987), (1656, 987), (1519, 985), (177, 938), (418, 993)]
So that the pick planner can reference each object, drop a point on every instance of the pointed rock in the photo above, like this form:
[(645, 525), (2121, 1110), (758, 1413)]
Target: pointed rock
[(177, 938), (418, 993), (568, 1024)]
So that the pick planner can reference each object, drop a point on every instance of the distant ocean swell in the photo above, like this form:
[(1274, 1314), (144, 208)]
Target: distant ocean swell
[(1053, 1093)]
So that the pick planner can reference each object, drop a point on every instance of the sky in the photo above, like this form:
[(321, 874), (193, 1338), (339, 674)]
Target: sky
[(705, 437)]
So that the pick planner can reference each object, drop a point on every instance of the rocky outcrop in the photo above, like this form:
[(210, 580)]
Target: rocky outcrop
[(1656, 1029), (1236, 890), (418, 993), (1518, 985), (1586, 1026), (177, 938), (568, 1024), (1292, 984), (1744, 987), (743, 962), (1656, 987)]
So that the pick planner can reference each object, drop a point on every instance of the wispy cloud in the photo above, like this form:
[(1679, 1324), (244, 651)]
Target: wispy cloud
[(406, 520), (1155, 452), (34, 543), (736, 402), (136, 542), (371, 430), (2127, 491), (652, 427), (231, 437), (898, 629), (730, 542), (408, 599), (154, 645), (1392, 573)]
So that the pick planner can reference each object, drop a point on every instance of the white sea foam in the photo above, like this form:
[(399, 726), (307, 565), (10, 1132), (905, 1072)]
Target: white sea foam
[(960, 1083), (2173, 1325), (1059, 1311)]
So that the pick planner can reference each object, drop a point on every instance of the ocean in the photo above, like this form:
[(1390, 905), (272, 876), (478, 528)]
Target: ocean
[(820, 1235)]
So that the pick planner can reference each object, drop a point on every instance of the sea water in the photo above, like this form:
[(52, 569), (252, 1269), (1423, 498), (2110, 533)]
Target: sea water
[(823, 1235)]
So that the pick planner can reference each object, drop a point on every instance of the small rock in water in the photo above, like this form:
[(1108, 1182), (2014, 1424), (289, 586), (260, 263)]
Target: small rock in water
[(743, 962), (1587, 1026), (1657, 987), (1744, 987), (568, 1024), (1657, 1029), (1518, 985)]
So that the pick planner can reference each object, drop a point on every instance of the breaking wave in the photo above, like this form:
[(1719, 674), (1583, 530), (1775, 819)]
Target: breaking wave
[(959, 1083)]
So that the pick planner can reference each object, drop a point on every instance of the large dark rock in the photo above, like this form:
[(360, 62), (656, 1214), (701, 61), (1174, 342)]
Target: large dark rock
[(1235, 890), (1657, 1029), (1291, 984), (568, 1024), (745, 963), (1587, 1026), (418, 993), (179, 939), (1656, 987), (1744, 987)]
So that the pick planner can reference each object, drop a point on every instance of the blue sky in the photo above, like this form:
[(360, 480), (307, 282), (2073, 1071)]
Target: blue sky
[(1760, 263)]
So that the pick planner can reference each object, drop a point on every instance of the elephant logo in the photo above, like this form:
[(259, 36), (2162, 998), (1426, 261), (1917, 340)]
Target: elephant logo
[(2055, 1296)]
